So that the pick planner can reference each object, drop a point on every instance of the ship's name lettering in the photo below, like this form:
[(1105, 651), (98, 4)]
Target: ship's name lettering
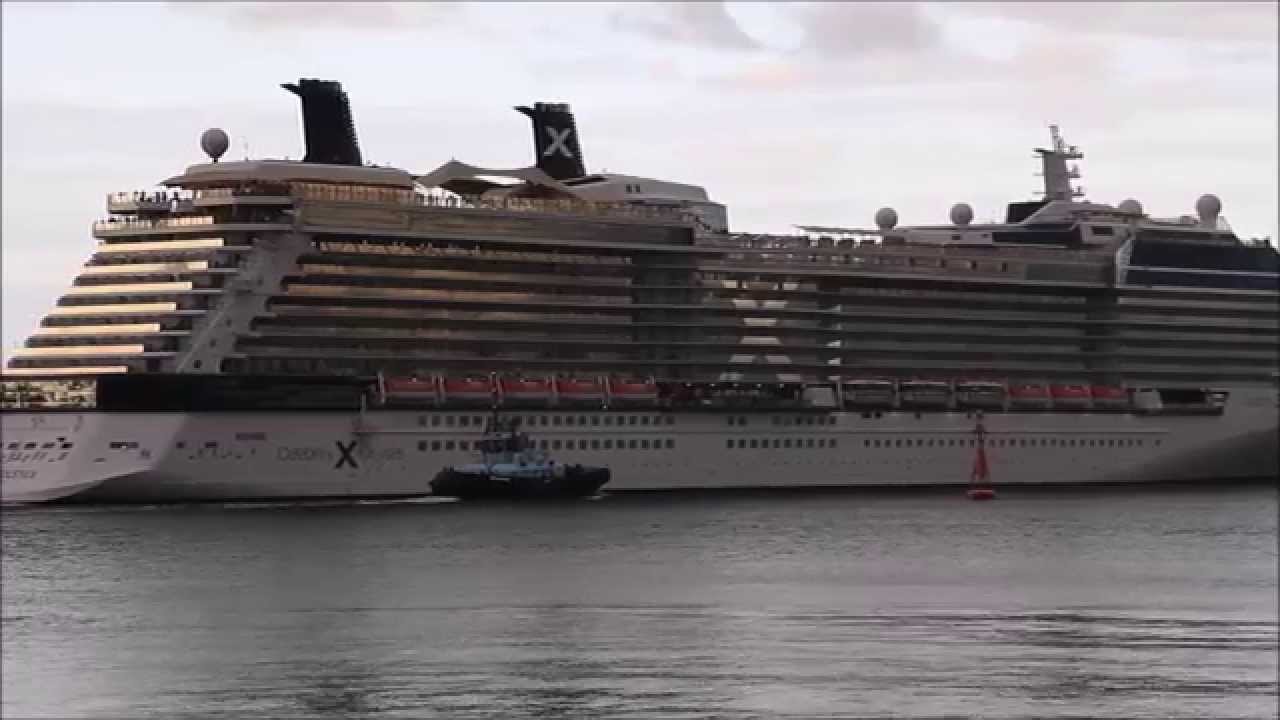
[(19, 474), (302, 454)]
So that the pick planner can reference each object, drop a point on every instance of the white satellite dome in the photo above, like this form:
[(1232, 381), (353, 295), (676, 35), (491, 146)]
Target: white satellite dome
[(961, 214), (1130, 207), (886, 218), (1208, 207), (214, 142)]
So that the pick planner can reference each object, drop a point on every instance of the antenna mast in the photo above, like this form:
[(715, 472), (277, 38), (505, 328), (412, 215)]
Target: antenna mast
[(1057, 176)]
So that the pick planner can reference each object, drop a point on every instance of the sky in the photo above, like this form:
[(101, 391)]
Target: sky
[(788, 113)]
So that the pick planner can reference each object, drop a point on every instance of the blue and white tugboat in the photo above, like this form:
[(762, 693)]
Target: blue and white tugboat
[(511, 467)]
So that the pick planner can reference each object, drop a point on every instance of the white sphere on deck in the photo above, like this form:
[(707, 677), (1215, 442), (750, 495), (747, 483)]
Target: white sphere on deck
[(1208, 207), (886, 218), (961, 214), (1130, 207), (214, 142)]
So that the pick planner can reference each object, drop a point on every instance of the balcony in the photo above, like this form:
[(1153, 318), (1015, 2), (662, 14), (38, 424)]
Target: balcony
[(143, 203)]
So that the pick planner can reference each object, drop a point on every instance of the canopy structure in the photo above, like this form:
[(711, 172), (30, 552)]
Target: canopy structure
[(465, 179)]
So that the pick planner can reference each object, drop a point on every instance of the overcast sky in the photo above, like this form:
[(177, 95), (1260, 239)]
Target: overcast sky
[(789, 113)]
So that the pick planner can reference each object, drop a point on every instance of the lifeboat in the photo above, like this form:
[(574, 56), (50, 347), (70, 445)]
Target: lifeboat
[(870, 393), (1071, 396), (643, 393), (411, 390), (524, 391), (468, 391), (572, 391), (984, 394), (922, 394), (1029, 395), (1109, 396)]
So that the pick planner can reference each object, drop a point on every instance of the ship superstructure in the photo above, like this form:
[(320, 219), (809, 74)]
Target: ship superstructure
[(385, 302)]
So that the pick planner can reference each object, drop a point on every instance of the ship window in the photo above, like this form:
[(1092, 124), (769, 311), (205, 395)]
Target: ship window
[(644, 444), (631, 444), (644, 419), (732, 420), (422, 446), (449, 421), (608, 443), (809, 442), (595, 420), (582, 420), (462, 445), (464, 421), (742, 420), (753, 442), (608, 420), (542, 444), (822, 442), (555, 420), (180, 445), (897, 443), (435, 445), (671, 419), (866, 443), (831, 443), (631, 420), (435, 421), (671, 443), (568, 420), (448, 444), (595, 444), (729, 443)]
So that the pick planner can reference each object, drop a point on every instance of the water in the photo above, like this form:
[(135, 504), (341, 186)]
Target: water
[(1052, 604)]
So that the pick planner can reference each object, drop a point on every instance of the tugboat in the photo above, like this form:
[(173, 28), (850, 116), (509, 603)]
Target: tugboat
[(511, 467)]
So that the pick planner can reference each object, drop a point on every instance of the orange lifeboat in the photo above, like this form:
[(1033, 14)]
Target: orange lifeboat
[(411, 390), (1029, 395), (468, 391), (525, 391), (1071, 396), (574, 391), (633, 393), (1109, 396)]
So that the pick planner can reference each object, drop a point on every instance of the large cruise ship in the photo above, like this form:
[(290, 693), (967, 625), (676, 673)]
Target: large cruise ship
[(329, 328)]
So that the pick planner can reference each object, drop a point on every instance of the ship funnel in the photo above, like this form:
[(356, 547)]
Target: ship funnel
[(555, 140), (327, 125)]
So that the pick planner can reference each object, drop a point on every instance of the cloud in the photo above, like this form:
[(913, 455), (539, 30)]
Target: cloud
[(1252, 22), (294, 16), (696, 24), (852, 30)]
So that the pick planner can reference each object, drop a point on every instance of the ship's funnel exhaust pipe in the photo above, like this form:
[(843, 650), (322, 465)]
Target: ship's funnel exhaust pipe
[(327, 125), (555, 139)]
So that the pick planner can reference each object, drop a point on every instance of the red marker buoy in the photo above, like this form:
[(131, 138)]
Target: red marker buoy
[(979, 480)]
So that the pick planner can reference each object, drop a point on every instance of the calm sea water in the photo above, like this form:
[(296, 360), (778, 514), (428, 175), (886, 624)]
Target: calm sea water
[(1149, 604)]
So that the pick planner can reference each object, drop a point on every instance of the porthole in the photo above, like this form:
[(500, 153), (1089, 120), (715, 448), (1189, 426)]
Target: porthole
[(729, 443), (435, 445), (422, 446)]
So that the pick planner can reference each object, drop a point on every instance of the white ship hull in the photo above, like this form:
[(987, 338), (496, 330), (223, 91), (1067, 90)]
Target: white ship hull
[(156, 457)]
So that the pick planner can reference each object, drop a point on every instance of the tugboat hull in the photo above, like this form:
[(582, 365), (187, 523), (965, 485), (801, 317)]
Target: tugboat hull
[(577, 481)]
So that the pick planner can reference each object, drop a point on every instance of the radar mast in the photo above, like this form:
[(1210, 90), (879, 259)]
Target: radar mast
[(1057, 176)]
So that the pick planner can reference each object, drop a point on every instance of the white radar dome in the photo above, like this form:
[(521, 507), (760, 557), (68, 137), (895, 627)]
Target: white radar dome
[(214, 142), (886, 218), (1130, 207), (1208, 207), (961, 214)]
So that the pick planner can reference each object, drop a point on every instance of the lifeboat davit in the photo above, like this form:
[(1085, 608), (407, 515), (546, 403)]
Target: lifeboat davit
[(573, 391), (468, 391), (633, 393), (524, 391)]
